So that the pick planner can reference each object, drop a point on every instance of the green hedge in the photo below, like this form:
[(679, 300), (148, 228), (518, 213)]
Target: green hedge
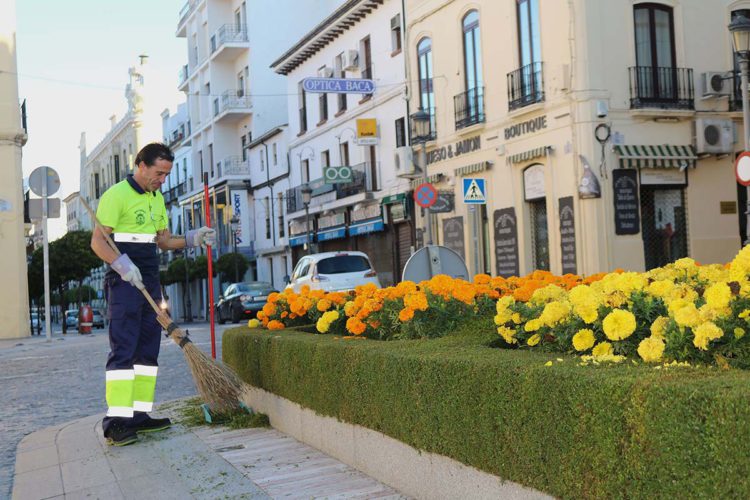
[(568, 430)]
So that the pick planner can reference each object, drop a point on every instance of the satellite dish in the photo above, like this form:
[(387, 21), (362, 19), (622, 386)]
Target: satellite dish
[(432, 260)]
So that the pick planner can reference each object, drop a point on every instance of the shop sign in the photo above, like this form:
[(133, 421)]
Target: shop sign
[(670, 176), (567, 236), (398, 212), (370, 226), (529, 126), (367, 131), (506, 242), (533, 182), (338, 175), (445, 203), (338, 85), (451, 151), (625, 187), (453, 235), (239, 208), (299, 240), (331, 234), (394, 198), (366, 212)]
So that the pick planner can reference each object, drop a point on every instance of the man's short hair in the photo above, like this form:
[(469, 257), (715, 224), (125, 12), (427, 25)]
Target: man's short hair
[(152, 152)]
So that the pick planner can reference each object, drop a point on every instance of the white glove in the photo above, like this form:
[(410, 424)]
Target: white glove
[(203, 236), (128, 271)]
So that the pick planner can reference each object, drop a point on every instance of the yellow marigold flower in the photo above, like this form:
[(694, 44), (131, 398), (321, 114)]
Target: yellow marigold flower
[(718, 296), (651, 349), (532, 325), (253, 323), (619, 324), (406, 314), (684, 263), (687, 315), (705, 333), (583, 340), (508, 334), (658, 326), (660, 288), (548, 294), (275, 325), (504, 303), (330, 316), (322, 325), (350, 309), (416, 300), (554, 313), (534, 339), (739, 333), (602, 349), (324, 305), (355, 326), (548, 363), (516, 318), (739, 267), (744, 314), (587, 313)]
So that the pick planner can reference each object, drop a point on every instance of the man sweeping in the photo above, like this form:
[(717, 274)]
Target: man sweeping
[(133, 212)]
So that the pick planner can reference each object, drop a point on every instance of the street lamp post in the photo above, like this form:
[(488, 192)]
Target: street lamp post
[(740, 30), (234, 223), (422, 128), (306, 197)]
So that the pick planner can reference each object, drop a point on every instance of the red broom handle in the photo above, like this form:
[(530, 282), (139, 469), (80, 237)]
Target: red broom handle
[(210, 268)]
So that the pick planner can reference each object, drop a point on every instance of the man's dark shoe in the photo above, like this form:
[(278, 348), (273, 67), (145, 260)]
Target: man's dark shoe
[(119, 435), (152, 425)]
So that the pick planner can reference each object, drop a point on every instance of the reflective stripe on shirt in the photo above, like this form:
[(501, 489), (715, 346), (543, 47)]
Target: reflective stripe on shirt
[(134, 238)]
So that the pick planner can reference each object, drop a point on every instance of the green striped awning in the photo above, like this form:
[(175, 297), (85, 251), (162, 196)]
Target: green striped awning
[(663, 156), (529, 155), (474, 168)]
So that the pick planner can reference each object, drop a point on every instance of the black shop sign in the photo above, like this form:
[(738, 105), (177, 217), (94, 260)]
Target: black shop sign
[(461, 147), (568, 236), (529, 126), (453, 235), (625, 186), (506, 242)]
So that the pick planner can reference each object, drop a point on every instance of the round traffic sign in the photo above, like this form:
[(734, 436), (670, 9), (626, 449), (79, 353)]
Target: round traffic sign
[(742, 168), (41, 176), (425, 195)]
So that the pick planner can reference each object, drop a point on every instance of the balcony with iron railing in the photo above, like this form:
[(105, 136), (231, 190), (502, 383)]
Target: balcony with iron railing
[(185, 12), (469, 107), (661, 87), (525, 86), (432, 133), (364, 180), (232, 106), (229, 41)]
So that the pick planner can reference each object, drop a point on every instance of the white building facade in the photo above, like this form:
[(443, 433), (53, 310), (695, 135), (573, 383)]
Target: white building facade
[(233, 97), (360, 40)]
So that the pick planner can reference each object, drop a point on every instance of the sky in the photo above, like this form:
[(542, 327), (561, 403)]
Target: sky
[(73, 59)]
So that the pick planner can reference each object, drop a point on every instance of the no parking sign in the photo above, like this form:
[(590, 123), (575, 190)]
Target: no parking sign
[(425, 195)]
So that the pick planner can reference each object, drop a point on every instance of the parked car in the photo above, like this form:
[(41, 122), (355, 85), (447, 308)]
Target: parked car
[(241, 300), (71, 318), (98, 319), (333, 272)]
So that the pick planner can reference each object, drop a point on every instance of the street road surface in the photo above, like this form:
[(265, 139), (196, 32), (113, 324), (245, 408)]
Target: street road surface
[(48, 383)]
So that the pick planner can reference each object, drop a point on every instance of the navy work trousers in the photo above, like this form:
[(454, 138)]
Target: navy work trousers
[(134, 332)]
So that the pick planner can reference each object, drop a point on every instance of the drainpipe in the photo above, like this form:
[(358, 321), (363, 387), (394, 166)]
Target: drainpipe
[(270, 202)]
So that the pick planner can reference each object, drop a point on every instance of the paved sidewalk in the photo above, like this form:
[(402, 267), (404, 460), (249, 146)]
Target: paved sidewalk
[(73, 461)]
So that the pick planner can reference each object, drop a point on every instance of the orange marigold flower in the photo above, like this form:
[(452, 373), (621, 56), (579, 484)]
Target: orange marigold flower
[(305, 290), (284, 314), (274, 297), (416, 300), (324, 305), (374, 324), (275, 325), (355, 326), (269, 309), (406, 314), (482, 279)]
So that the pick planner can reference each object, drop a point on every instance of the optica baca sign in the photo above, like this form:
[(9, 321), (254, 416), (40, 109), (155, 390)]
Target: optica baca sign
[(338, 85)]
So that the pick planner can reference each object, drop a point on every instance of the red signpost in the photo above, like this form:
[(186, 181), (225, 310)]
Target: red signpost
[(210, 267)]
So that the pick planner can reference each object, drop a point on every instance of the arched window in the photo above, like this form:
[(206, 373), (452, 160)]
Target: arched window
[(470, 105)]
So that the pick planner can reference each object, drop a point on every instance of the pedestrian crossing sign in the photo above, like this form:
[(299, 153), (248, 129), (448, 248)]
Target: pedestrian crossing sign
[(475, 191)]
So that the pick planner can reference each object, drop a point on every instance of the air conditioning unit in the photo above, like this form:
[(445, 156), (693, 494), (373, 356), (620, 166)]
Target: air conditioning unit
[(325, 72), (714, 136), (716, 84), (396, 22), (404, 162), (350, 60)]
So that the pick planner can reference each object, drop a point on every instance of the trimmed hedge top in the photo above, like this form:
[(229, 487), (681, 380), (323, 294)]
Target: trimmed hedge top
[(571, 431)]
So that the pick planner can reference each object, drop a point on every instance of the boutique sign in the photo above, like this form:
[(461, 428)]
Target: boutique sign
[(454, 150), (526, 127)]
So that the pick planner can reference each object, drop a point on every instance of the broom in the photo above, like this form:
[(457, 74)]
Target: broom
[(217, 384)]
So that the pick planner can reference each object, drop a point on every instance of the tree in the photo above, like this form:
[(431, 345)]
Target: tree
[(226, 266), (199, 268), (70, 259)]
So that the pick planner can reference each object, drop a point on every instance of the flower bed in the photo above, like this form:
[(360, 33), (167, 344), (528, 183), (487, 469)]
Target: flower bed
[(603, 431), (682, 312)]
